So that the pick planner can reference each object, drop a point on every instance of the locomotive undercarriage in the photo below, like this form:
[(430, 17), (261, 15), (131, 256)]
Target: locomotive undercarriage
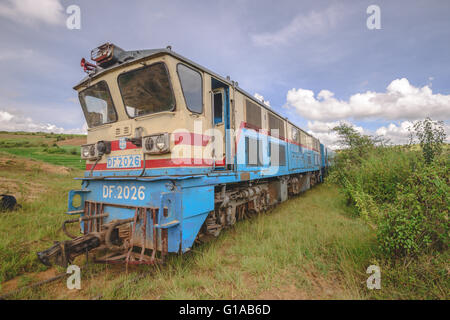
[(120, 242), (239, 201)]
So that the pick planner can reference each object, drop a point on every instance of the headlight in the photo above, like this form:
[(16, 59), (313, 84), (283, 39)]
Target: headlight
[(92, 150), (103, 147), (156, 144), (149, 143), (85, 152), (95, 151), (160, 143), (88, 151)]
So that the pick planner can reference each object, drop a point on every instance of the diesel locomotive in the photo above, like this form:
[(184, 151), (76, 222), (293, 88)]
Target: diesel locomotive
[(175, 153)]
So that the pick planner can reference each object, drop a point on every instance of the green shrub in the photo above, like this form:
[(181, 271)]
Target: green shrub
[(418, 219), (54, 150), (377, 176), (431, 136), (403, 192)]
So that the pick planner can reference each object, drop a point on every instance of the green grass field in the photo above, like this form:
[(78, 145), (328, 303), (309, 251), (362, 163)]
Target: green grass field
[(38, 153), (58, 149)]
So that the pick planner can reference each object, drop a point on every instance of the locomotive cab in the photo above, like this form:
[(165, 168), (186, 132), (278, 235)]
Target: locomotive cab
[(148, 112)]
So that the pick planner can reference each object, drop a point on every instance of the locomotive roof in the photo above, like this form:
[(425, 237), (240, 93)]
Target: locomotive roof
[(132, 56)]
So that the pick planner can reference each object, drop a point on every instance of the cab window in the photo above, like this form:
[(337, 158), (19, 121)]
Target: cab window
[(146, 90), (97, 105), (191, 84)]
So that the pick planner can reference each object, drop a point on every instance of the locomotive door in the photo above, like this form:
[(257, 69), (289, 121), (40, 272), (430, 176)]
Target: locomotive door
[(221, 123)]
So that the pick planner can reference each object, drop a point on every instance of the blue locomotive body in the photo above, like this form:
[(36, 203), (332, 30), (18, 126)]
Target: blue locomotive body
[(148, 195), (184, 197)]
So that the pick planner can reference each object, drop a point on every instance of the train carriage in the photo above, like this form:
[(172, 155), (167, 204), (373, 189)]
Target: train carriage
[(175, 153)]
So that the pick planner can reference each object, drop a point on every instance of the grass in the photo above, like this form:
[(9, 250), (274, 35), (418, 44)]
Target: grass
[(34, 226), (44, 147), (39, 153), (310, 247)]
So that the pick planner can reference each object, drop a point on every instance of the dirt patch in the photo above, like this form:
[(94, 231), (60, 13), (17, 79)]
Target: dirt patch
[(73, 142), (289, 292), (20, 136), (23, 190), (320, 287), (13, 284), (10, 163)]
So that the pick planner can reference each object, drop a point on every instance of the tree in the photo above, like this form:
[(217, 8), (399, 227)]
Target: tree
[(431, 136), (351, 139)]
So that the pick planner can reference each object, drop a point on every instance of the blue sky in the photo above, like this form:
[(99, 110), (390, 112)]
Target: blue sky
[(314, 61)]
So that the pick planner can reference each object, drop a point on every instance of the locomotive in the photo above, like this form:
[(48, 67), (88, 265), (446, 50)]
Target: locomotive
[(175, 153)]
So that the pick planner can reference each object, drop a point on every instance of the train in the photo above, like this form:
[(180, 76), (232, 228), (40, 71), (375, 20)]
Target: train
[(175, 154)]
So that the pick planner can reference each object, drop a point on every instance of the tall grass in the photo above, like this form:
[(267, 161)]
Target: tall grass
[(36, 224), (405, 200), (308, 247)]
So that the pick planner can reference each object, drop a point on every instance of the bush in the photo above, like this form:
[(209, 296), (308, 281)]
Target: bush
[(418, 218), (403, 193)]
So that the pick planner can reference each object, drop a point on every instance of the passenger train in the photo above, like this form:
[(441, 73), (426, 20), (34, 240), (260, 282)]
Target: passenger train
[(175, 153)]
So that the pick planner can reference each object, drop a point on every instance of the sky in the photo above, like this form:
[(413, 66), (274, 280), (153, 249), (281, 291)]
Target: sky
[(315, 62)]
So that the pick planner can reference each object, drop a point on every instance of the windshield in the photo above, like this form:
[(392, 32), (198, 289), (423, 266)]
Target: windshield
[(146, 90), (97, 105)]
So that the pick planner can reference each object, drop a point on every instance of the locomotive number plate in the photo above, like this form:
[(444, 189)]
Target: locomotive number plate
[(123, 192), (128, 161)]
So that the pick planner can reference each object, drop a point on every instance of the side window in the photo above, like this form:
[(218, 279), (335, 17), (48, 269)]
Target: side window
[(218, 107), (282, 155), (276, 123), (253, 115), (191, 84), (295, 135), (253, 150), (303, 139), (281, 161)]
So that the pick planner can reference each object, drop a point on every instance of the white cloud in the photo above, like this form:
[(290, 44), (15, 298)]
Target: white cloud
[(5, 116), (323, 131), (395, 133), (312, 23), (31, 11), (15, 122), (399, 134), (261, 98), (401, 101)]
